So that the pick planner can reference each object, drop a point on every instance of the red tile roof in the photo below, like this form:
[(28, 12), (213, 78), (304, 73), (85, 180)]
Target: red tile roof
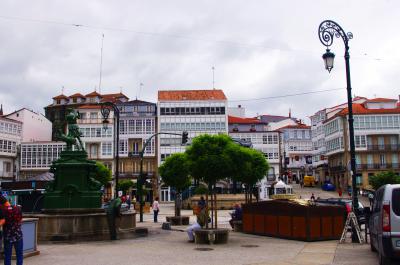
[(297, 126), (239, 120), (77, 95), (93, 94), (90, 107), (115, 95), (382, 100), (361, 109), (62, 96), (214, 94)]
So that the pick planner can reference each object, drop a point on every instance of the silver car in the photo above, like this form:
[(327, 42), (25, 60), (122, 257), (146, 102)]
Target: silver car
[(384, 224)]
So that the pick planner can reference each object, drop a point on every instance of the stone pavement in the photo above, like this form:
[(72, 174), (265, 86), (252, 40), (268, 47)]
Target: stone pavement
[(171, 248)]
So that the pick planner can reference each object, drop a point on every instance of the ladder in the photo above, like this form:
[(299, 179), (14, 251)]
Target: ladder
[(351, 222)]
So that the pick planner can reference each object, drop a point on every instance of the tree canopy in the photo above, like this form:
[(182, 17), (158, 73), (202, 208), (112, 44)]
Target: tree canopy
[(102, 174), (382, 178), (175, 172), (124, 185), (208, 159)]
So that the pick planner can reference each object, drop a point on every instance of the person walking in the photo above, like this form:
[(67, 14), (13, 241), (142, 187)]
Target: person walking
[(371, 198), (156, 209), (11, 220)]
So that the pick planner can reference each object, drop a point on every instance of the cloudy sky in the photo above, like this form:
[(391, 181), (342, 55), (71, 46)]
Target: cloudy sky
[(259, 48)]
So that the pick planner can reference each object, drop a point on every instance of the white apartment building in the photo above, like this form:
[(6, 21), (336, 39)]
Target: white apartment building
[(35, 126), (319, 156), (98, 141), (297, 150), (37, 157), (195, 111), (10, 138), (376, 135)]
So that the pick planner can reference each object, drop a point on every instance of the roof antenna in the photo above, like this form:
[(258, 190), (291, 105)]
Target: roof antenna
[(139, 90), (101, 62), (213, 73), (62, 90)]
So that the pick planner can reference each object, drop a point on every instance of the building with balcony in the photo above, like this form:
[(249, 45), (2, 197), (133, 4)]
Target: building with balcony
[(138, 122), (37, 157), (195, 111), (98, 140), (319, 157), (56, 111), (297, 150), (10, 138), (377, 138)]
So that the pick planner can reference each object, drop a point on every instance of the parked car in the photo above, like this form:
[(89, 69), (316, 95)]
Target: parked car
[(309, 181), (328, 186), (384, 224), (348, 204)]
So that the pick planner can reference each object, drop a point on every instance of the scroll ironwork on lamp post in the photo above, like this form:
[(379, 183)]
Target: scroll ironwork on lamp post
[(105, 112), (327, 31)]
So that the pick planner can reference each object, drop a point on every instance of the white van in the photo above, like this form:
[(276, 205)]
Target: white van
[(384, 224)]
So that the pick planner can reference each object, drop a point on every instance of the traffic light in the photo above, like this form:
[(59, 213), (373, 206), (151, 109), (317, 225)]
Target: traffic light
[(184, 137)]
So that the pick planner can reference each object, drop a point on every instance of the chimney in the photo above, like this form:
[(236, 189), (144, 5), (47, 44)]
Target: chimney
[(1, 110), (290, 113)]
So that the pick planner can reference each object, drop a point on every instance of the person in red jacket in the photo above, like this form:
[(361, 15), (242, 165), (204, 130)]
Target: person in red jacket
[(11, 220)]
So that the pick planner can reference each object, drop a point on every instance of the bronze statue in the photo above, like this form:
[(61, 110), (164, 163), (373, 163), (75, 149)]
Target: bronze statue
[(73, 138)]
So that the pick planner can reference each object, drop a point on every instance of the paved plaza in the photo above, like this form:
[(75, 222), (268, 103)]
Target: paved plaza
[(171, 247)]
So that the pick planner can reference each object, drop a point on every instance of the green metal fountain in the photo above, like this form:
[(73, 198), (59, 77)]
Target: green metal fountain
[(73, 187)]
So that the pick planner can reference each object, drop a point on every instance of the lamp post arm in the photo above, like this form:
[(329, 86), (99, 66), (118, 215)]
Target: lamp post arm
[(140, 184)]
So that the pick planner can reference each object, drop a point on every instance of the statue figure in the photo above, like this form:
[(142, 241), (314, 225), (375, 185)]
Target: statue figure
[(73, 138)]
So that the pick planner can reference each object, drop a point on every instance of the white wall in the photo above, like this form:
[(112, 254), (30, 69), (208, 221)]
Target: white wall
[(35, 126)]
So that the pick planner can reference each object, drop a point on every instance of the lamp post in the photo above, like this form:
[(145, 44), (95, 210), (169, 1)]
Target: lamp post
[(105, 112), (327, 30), (141, 180)]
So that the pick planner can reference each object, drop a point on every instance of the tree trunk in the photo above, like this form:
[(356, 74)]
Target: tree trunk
[(216, 210), (207, 206), (178, 204)]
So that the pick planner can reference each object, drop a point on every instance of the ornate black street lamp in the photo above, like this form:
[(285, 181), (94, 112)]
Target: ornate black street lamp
[(327, 30), (105, 113)]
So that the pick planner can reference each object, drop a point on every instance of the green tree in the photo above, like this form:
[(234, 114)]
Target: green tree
[(124, 185), (382, 178), (175, 173), (209, 161), (102, 174), (249, 167)]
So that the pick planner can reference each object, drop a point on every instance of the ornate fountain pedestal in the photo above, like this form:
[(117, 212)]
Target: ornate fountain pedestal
[(72, 204), (73, 187)]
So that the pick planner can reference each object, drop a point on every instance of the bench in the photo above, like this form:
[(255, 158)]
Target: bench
[(211, 236), (238, 226)]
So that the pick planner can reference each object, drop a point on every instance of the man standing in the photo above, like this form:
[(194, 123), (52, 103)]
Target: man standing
[(236, 215), (113, 211), (11, 219)]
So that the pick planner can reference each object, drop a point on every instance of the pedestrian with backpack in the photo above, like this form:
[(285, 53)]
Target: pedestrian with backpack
[(11, 220)]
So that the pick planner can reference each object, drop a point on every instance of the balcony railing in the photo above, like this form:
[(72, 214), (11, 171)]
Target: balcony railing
[(135, 174), (91, 121), (377, 166), (384, 147), (337, 168)]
